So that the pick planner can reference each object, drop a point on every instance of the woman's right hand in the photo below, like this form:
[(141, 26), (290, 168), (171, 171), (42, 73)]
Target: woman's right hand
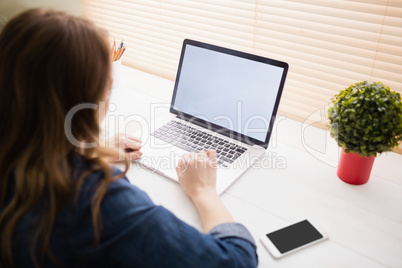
[(197, 173), (197, 176)]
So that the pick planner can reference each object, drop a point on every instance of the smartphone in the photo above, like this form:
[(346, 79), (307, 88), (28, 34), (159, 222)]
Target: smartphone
[(292, 238)]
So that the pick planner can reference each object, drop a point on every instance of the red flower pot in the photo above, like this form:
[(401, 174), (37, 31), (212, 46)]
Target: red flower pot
[(354, 169)]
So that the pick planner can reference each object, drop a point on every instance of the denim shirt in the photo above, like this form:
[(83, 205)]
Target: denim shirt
[(136, 233)]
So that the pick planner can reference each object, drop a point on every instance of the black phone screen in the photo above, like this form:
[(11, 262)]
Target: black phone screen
[(294, 236)]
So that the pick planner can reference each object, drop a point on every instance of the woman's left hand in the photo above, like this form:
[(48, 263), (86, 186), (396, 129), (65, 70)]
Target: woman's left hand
[(130, 144)]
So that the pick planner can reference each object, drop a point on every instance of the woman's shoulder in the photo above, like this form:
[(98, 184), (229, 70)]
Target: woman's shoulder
[(119, 189), (125, 191)]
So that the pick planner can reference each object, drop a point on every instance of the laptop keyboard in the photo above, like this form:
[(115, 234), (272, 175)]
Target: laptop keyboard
[(194, 140)]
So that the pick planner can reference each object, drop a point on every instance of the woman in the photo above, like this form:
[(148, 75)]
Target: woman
[(64, 205)]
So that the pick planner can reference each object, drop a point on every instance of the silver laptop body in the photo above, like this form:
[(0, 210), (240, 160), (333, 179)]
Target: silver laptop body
[(223, 99)]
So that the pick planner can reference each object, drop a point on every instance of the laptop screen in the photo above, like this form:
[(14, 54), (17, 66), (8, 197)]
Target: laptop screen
[(228, 89)]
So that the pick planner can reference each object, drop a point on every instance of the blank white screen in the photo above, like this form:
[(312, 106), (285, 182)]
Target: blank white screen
[(232, 92)]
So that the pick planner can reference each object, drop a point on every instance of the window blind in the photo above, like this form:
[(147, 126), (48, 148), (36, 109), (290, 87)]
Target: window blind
[(329, 45)]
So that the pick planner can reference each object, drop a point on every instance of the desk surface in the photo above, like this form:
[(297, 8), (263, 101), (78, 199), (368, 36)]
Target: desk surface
[(296, 179)]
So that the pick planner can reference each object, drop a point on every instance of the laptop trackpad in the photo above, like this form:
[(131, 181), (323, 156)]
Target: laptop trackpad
[(163, 161)]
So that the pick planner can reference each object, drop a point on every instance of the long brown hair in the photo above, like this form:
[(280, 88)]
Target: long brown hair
[(49, 62)]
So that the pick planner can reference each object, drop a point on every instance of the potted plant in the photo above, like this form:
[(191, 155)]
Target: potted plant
[(365, 119)]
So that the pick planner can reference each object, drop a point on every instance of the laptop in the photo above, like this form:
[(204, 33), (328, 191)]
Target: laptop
[(223, 99)]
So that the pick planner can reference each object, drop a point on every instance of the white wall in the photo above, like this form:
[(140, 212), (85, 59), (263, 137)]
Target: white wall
[(9, 8)]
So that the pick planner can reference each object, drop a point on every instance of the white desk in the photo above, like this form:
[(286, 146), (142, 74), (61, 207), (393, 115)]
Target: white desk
[(294, 181)]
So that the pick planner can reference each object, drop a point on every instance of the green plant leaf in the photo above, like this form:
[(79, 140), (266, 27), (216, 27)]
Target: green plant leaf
[(366, 118)]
